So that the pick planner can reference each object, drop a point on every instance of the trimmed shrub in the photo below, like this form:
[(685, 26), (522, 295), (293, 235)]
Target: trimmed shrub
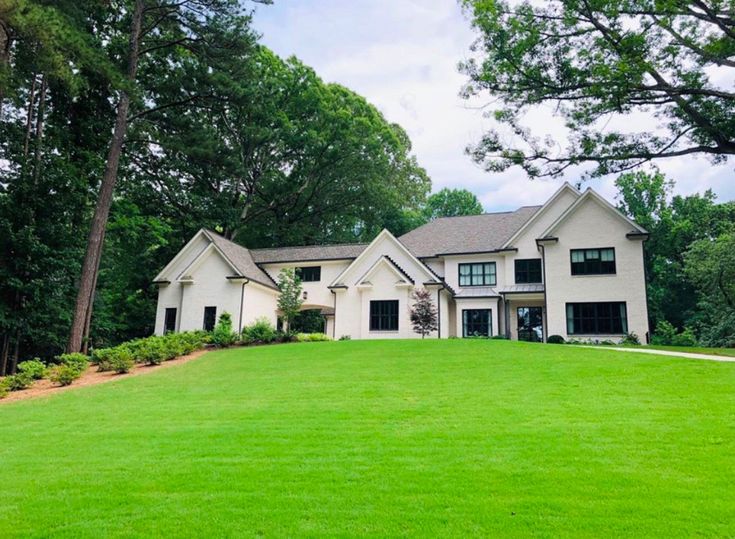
[(312, 337), (76, 360), (19, 381), (64, 374), (4, 388), (555, 339), (664, 333), (101, 356), (261, 332), (685, 338), (33, 368), (120, 359), (630, 338), (223, 335), (347, 338)]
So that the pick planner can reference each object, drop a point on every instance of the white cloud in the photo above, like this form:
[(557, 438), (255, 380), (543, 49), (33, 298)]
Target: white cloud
[(402, 55)]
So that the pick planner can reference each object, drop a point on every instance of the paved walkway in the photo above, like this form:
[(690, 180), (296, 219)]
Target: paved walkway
[(689, 355)]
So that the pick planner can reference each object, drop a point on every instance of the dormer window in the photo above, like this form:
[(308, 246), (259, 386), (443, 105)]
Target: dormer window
[(477, 274)]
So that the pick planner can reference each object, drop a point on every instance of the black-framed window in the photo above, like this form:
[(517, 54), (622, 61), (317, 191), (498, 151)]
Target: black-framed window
[(384, 315), (309, 274), (593, 261), (477, 322), (607, 318), (210, 318), (477, 274), (169, 323), (528, 270)]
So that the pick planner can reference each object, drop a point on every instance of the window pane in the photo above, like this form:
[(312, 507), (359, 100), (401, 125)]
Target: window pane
[(607, 255), (577, 256), (591, 254)]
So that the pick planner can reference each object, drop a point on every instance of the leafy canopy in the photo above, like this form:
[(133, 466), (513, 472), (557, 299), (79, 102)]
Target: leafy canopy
[(604, 66)]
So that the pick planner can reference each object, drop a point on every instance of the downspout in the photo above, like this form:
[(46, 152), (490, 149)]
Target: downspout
[(334, 316), (181, 309), (439, 313), (545, 314), (242, 305)]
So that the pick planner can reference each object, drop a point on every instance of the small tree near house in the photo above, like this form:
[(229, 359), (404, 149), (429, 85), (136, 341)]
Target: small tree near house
[(289, 302), (424, 316)]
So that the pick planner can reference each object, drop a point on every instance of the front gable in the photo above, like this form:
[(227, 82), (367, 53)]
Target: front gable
[(388, 254), (190, 252)]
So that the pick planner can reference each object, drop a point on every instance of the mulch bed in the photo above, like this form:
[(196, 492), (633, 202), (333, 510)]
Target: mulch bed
[(92, 377)]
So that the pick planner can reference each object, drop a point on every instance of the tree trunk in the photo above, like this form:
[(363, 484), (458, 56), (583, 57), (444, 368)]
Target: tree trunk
[(4, 355), (39, 130), (29, 116), (90, 308), (104, 201), (14, 361)]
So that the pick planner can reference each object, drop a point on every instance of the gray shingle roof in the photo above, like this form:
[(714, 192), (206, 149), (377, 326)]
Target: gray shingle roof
[(466, 234), (241, 258), (306, 253)]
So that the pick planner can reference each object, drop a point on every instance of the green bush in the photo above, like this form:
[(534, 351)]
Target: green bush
[(120, 359), (312, 337), (685, 338), (4, 388), (33, 368), (101, 356), (76, 360), (223, 335), (664, 334), (260, 332), (19, 381), (555, 339), (631, 338), (345, 338), (64, 374)]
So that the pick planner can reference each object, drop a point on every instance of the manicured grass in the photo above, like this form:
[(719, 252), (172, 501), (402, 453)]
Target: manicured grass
[(440, 438)]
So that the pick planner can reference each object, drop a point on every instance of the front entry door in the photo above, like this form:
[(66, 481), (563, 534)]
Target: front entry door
[(530, 324)]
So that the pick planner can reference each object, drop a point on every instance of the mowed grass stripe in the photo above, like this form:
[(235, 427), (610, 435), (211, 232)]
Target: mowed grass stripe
[(381, 438)]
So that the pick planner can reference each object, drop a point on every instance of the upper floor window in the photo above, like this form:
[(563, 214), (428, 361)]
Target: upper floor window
[(593, 261), (528, 270), (309, 274), (477, 274)]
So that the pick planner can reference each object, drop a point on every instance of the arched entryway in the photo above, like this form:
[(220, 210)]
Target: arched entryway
[(312, 319)]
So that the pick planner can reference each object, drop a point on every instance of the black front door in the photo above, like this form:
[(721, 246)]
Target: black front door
[(530, 324)]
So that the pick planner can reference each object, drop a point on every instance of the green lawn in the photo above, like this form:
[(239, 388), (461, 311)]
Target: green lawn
[(440, 438)]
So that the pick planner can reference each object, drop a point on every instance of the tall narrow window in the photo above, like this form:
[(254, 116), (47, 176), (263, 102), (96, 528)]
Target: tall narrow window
[(477, 274), (593, 261), (384, 315), (309, 274), (169, 323), (608, 318), (528, 270), (210, 318)]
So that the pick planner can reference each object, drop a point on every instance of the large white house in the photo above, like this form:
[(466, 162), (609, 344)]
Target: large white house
[(571, 267)]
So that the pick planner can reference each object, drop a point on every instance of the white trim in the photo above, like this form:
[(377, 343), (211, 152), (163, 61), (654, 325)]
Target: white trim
[(566, 186), (591, 193), (201, 257), (384, 233), (181, 252), (382, 260)]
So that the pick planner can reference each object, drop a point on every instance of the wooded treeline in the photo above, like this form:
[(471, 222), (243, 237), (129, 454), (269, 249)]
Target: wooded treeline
[(219, 132)]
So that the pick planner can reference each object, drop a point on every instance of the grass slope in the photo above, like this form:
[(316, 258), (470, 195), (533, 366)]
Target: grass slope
[(383, 438)]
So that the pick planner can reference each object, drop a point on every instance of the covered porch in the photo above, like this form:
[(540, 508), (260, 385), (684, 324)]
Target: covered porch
[(524, 313)]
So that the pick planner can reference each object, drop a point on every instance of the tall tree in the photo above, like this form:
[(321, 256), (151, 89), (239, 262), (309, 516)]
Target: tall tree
[(451, 203), (290, 300), (594, 61)]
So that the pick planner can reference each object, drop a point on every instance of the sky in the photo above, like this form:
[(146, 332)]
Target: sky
[(402, 55)]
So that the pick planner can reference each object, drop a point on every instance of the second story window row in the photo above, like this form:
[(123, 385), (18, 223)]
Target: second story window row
[(477, 274), (593, 261)]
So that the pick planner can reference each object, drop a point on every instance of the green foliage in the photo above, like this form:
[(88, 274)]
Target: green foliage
[(76, 360), (4, 387), (451, 203), (308, 321), (630, 338), (64, 374), (555, 339), (223, 335), (35, 368), (17, 382), (290, 299), (345, 338), (664, 334), (685, 338), (260, 332), (312, 337), (590, 61)]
